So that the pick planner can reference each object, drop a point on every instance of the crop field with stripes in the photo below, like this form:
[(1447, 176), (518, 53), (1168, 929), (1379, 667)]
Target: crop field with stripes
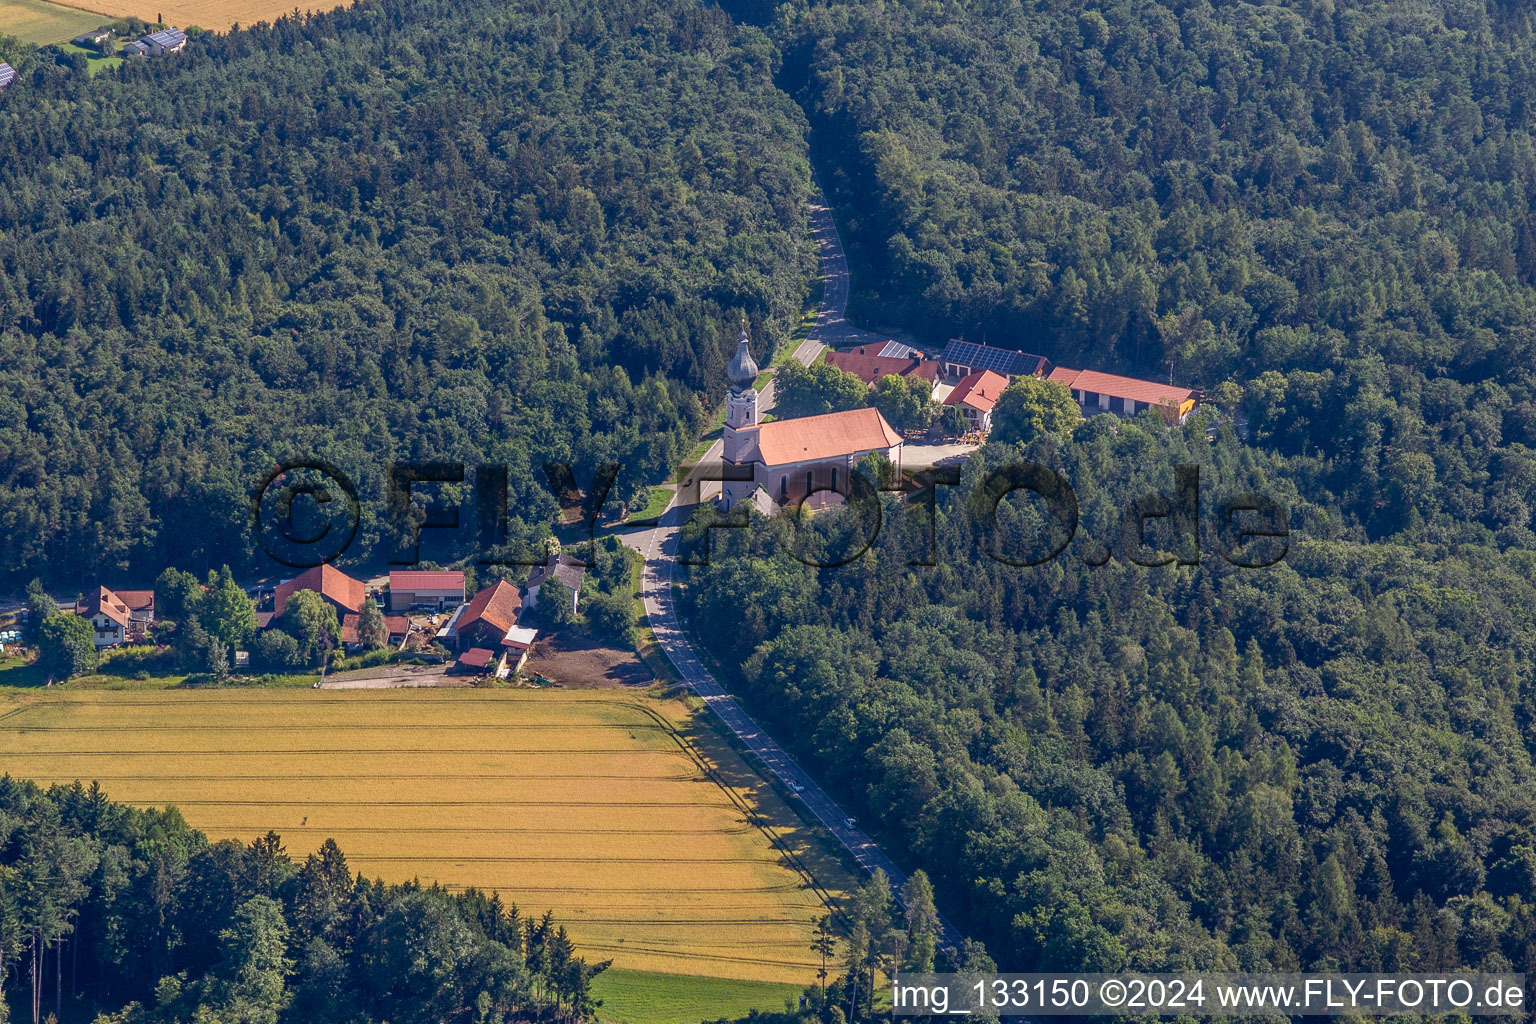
[(646, 835)]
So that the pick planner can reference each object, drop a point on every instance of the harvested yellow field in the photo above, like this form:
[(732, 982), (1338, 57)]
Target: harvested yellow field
[(639, 830), (219, 15)]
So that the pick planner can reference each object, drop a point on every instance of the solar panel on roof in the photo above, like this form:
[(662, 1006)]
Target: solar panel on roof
[(985, 357), (7, 74), (896, 350)]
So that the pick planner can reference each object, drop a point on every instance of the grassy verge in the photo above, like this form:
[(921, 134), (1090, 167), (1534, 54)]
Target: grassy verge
[(661, 497), (646, 647), (644, 997)]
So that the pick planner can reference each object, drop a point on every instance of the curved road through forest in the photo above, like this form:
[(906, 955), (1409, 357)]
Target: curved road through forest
[(658, 544)]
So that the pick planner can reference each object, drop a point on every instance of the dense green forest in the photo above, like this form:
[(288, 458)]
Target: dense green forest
[(1325, 203), (133, 915), (1319, 212), (431, 230), (1323, 763)]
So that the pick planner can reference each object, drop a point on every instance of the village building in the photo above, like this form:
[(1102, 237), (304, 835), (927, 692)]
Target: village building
[(7, 74), (96, 39), (793, 458), (342, 591), (963, 358), (426, 589), (1125, 396), (866, 364), (518, 642), (975, 396), (118, 617), (565, 568), (485, 621), (478, 661), (396, 629), (163, 43)]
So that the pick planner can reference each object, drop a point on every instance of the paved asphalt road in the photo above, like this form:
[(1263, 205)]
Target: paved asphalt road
[(659, 546)]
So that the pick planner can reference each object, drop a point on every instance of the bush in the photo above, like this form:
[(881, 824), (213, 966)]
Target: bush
[(276, 651), (611, 615), (140, 662)]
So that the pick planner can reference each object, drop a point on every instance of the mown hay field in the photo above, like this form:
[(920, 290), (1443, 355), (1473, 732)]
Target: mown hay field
[(37, 21), (645, 834)]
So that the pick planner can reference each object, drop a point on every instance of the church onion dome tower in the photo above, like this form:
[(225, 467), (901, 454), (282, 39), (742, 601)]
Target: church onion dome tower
[(743, 369)]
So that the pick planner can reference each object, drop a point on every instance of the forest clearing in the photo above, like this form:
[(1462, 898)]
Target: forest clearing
[(621, 815)]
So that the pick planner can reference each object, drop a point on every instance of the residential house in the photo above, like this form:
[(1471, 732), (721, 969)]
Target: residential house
[(341, 590), (565, 568), (96, 39), (866, 364), (164, 43), (975, 396), (118, 616), (7, 74), (431, 590), (1125, 396), (963, 358), (791, 459)]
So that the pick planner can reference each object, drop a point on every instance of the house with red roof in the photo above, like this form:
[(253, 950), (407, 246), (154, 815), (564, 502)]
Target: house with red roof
[(864, 363), (117, 616), (1125, 396), (975, 396), (342, 591), (434, 590)]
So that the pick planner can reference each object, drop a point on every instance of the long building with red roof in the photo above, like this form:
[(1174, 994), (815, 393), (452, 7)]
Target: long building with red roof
[(1125, 396)]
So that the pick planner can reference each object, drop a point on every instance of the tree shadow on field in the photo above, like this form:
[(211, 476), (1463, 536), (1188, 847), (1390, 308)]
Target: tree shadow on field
[(802, 845)]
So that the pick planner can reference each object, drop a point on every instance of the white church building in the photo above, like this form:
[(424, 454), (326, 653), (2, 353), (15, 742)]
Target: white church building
[(793, 458)]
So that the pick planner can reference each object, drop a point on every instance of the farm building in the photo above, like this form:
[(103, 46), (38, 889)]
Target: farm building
[(562, 567), (963, 358), (975, 396), (97, 39), (864, 363), (1126, 396), (425, 589), (485, 621), (791, 459), (341, 590), (396, 629), (165, 42), (478, 661), (7, 74), (518, 642)]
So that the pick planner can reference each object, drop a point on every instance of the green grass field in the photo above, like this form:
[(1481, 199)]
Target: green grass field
[(37, 21), (644, 832), (638, 997)]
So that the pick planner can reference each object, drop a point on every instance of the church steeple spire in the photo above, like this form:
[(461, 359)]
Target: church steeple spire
[(740, 413), (742, 373)]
